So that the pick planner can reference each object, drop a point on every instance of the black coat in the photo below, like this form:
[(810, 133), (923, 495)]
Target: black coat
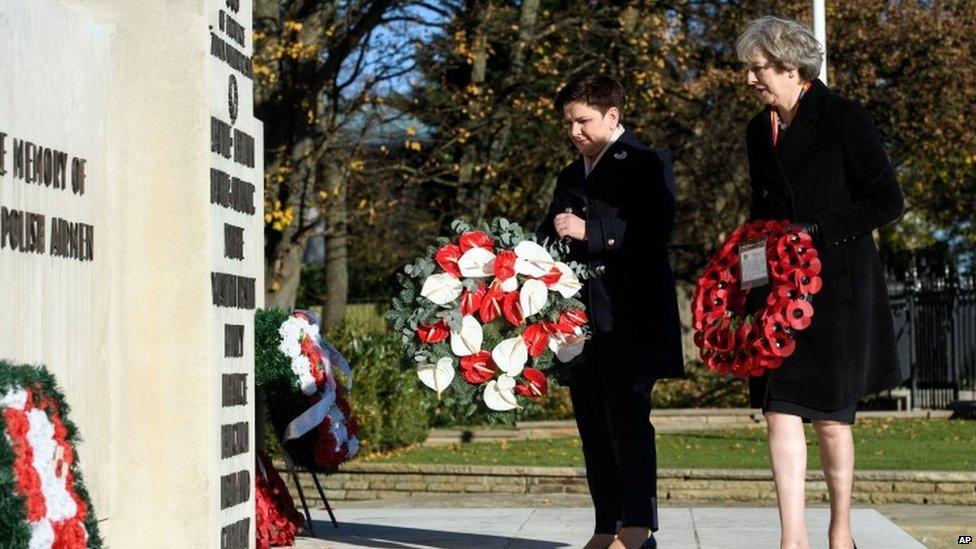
[(830, 168), (628, 202)]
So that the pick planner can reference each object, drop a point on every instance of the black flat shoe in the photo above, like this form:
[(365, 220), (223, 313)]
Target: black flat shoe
[(651, 543)]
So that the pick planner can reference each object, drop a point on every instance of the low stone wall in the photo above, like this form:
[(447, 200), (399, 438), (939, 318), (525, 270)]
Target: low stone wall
[(665, 420), (359, 481)]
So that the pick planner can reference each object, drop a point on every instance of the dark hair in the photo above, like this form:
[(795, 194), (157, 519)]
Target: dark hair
[(595, 90)]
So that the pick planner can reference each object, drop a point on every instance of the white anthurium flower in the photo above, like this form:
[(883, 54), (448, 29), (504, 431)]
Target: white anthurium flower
[(511, 355), (569, 284), (499, 394), (441, 288), (509, 284), (468, 340), (532, 259), (567, 347), (437, 376), (533, 297), (477, 263)]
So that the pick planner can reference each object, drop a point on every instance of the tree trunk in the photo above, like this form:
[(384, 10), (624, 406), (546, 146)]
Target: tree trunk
[(528, 14), (336, 219), (284, 274), (468, 177)]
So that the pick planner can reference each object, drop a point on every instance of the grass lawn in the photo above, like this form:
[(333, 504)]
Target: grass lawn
[(904, 444)]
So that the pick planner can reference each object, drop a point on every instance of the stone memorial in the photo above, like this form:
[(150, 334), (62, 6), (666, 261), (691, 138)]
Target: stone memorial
[(131, 250)]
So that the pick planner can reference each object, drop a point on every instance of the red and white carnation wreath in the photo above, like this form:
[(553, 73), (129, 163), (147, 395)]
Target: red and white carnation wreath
[(495, 306), (313, 362), (43, 467), (728, 339)]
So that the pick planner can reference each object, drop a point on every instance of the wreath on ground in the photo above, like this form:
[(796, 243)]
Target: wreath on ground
[(495, 305), (43, 501), (731, 341), (277, 518)]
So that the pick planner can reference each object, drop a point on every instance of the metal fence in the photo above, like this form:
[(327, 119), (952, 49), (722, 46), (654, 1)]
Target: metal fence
[(935, 330)]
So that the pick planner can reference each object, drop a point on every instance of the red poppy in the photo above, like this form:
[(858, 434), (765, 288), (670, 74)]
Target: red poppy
[(478, 368), (533, 384), (799, 313), (447, 257), (782, 345)]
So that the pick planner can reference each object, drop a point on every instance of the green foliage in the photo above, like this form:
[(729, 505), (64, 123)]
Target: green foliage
[(392, 408), (701, 388), (15, 533)]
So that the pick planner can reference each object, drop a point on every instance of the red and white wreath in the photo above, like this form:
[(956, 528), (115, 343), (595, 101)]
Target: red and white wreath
[(732, 342), (495, 306), (314, 361), (42, 467)]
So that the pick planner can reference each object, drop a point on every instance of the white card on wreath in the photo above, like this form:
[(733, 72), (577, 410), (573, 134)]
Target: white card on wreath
[(753, 265)]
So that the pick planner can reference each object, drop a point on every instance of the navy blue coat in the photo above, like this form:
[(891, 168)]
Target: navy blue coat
[(628, 202), (831, 169)]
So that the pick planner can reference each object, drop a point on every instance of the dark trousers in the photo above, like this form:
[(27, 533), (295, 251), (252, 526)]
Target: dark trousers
[(613, 417)]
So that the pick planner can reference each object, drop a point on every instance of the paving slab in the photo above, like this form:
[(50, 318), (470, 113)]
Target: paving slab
[(553, 527)]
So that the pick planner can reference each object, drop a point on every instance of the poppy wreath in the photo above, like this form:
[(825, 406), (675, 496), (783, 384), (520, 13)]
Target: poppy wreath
[(495, 306), (43, 501), (749, 345), (277, 519), (298, 372)]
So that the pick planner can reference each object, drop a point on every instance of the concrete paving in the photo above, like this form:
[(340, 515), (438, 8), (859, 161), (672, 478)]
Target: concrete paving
[(403, 527)]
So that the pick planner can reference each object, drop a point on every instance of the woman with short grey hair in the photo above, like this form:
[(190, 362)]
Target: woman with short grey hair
[(816, 159)]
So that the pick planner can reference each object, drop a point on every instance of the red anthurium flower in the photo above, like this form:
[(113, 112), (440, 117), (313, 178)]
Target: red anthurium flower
[(536, 338), (476, 239), (471, 301), (799, 313), (491, 304), (534, 383), (478, 368), (433, 333), (576, 317), (512, 309), (553, 276), (505, 264), (447, 257)]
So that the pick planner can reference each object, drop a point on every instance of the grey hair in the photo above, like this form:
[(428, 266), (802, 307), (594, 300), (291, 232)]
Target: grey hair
[(788, 44)]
